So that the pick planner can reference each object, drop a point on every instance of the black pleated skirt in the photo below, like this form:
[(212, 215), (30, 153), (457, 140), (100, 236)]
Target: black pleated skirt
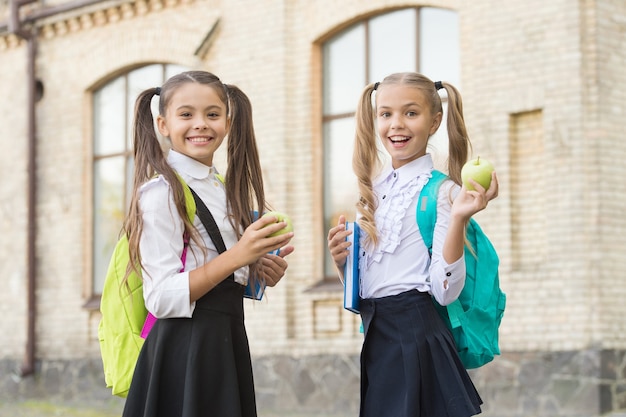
[(199, 366), (409, 364)]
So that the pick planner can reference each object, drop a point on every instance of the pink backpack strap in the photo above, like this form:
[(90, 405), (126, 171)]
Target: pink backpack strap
[(147, 325), (150, 319)]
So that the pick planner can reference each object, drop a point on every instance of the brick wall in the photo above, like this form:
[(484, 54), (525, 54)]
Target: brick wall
[(523, 58), (544, 95)]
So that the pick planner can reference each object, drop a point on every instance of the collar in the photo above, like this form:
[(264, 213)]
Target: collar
[(189, 166), (421, 166)]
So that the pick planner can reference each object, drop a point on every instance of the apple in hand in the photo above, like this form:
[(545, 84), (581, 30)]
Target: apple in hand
[(479, 170), (281, 218)]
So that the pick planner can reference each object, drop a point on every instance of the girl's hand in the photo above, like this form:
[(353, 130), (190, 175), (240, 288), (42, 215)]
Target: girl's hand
[(468, 203), (492, 192), (337, 244), (256, 242), (272, 267)]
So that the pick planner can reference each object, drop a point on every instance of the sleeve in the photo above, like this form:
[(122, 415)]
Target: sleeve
[(165, 288), (440, 271)]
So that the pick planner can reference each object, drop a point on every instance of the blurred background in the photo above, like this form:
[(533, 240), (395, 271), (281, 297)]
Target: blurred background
[(544, 96)]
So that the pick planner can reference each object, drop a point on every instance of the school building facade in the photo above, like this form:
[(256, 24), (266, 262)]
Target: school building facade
[(544, 92)]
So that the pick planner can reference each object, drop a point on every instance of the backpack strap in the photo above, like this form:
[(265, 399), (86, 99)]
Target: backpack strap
[(209, 224), (190, 204), (426, 214), (208, 220), (426, 217)]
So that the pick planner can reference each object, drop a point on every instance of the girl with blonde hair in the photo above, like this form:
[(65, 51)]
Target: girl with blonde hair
[(409, 363)]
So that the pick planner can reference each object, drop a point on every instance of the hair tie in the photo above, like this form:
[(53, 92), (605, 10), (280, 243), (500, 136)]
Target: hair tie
[(438, 85), (376, 86), (157, 91)]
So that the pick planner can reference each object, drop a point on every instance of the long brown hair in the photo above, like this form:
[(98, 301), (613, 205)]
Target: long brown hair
[(366, 160), (243, 179)]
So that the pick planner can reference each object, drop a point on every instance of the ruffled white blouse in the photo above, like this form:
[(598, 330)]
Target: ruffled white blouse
[(400, 261)]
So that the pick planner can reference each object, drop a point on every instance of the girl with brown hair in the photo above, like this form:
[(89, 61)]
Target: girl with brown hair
[(196, 360)]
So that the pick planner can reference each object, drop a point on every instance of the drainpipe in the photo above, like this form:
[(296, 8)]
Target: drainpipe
[(30, 37), (29, 362), (14, 25)]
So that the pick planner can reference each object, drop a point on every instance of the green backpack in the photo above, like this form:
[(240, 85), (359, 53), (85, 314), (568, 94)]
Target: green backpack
[(124, 314), (474, 318)]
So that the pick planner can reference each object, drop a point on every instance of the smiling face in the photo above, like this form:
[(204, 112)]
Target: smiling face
[(405, 121), (195, 121)]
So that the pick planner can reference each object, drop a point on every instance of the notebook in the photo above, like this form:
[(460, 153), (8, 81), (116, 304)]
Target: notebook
[(255, 291), (351, 270)]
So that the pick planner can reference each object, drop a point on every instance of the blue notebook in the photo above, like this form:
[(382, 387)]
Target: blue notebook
[(351, 271), (255, 291)]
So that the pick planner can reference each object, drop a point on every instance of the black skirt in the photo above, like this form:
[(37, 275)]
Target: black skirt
[(199, 366), (409, 364)]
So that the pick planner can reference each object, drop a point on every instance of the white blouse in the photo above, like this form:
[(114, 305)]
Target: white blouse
[(400, 262), (165, 288)]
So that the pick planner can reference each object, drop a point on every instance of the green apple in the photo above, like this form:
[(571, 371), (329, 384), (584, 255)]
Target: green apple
[(281, 217), (478, 169)]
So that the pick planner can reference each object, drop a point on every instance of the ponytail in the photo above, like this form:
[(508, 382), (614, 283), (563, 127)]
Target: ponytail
[(366, 163), (244, 178), (459, 144)]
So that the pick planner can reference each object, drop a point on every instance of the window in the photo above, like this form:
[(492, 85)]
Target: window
[(415, 39), (113, 106)]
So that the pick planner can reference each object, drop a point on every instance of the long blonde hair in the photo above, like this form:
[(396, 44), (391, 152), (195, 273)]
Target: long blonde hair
[(366, 160), (243, 180)]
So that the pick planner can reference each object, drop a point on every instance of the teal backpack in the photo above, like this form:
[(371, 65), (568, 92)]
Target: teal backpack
[(474, 318)]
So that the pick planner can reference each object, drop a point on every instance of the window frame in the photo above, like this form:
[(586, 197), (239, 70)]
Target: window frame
[(329, 280), (93, 289)]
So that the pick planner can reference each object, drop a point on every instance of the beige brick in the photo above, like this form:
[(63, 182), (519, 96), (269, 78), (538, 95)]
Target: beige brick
[(563, 202)]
